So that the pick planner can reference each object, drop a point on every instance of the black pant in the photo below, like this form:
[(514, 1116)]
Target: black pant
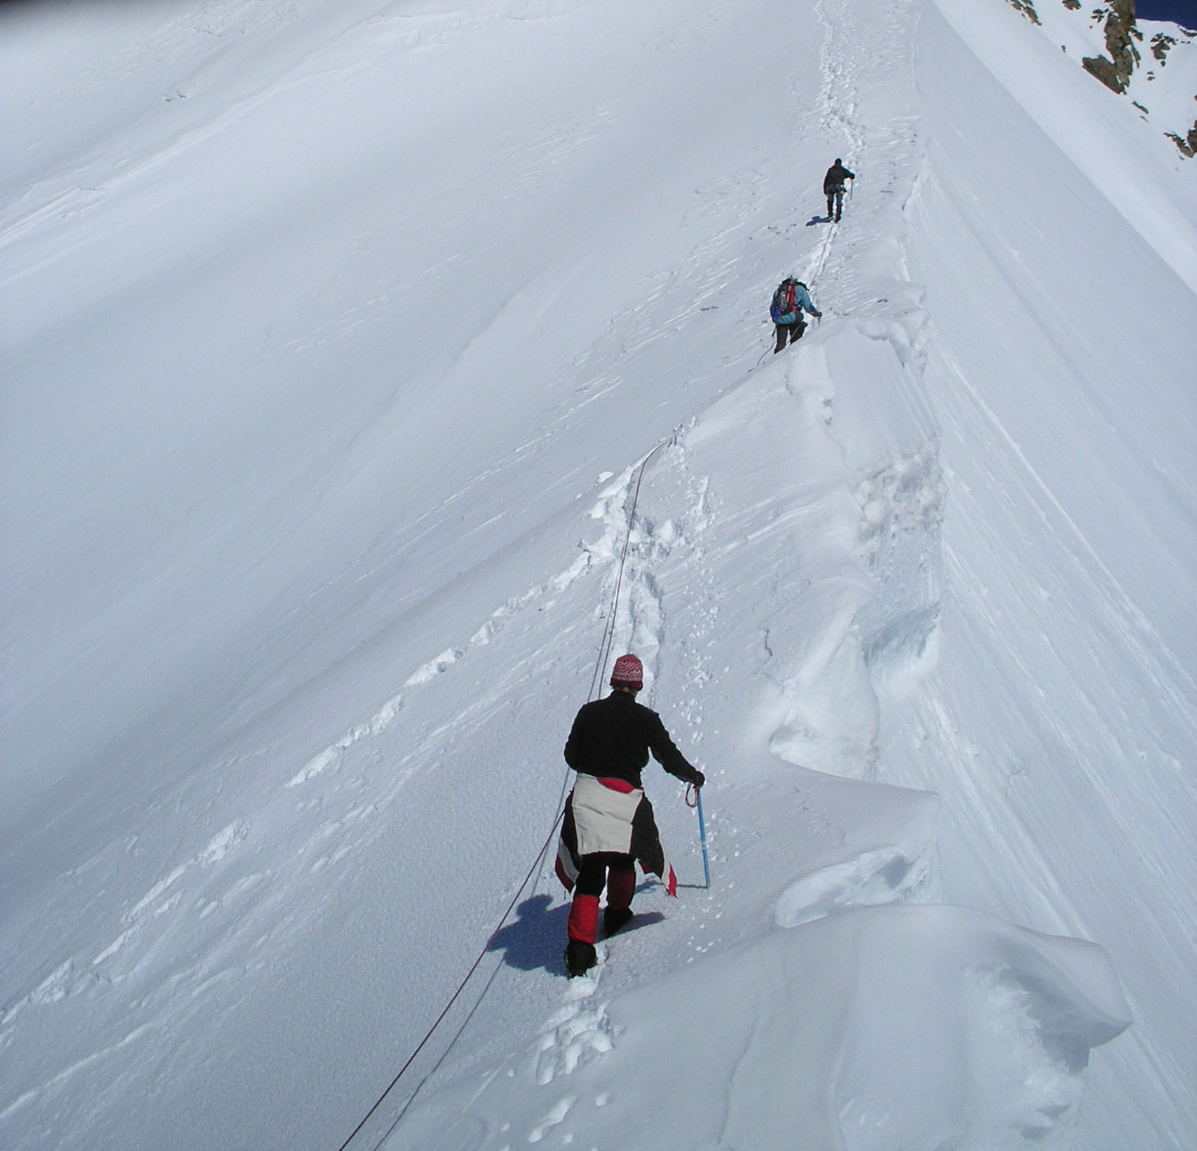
[(592, 877), (791, 332), (836, 195)]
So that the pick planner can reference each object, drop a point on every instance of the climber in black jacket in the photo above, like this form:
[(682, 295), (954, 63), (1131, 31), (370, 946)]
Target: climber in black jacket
[(609, 822)]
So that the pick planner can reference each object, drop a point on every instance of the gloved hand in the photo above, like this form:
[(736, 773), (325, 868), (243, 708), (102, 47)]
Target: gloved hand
[(699, 779), (818, 315)]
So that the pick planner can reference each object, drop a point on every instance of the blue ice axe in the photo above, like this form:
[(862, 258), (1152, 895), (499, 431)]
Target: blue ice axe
[(702, 830)]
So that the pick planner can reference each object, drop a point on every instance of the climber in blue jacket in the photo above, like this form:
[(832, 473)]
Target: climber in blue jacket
[(790, 300)]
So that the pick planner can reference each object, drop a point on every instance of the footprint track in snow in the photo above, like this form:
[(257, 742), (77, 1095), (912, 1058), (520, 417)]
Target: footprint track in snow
[(157, 902), (603, 550)]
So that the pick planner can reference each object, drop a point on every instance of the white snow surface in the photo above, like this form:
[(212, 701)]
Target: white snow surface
[(366, 364)]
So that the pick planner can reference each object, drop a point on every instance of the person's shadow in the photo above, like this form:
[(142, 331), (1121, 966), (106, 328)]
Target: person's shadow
[(536, 938), (818, 220)]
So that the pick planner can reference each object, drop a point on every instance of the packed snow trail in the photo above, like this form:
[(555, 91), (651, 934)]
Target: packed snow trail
[(392, 1105)]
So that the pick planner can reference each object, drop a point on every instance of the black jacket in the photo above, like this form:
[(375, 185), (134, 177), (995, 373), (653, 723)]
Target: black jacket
[(836, 175), (613, 736)]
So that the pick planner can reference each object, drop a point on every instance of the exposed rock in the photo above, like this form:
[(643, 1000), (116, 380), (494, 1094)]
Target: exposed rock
[(1160, 45), (1115, 71), (1104, 70), (1187, 145), (1027, 8)]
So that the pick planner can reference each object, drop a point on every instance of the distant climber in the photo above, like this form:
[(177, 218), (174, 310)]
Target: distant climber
[(789, 301), (609, 822), (833, 188)]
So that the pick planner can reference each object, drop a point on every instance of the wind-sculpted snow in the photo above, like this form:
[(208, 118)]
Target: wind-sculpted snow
[(375, 374), (868, 1030)]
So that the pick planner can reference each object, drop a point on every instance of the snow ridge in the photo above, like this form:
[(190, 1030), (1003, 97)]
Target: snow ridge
[(847, 581), (334, 807)]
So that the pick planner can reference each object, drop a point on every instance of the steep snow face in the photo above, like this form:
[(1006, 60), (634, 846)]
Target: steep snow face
[(1064, 542), (375, 373)]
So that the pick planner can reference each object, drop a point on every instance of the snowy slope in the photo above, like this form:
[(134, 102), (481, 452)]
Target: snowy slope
[(341, 344), (1102, 629)]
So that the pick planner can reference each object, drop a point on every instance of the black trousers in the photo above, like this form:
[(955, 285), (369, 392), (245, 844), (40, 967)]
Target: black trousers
[(791, 332), (592, 878), (836, 195)]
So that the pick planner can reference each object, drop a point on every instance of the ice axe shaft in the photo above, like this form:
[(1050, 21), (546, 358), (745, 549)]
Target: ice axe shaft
[(702, 828), (702, 835)]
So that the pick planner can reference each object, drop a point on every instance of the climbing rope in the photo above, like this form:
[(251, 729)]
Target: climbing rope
[(609, 630), (536, 868), (824, 252), (448, 1006)]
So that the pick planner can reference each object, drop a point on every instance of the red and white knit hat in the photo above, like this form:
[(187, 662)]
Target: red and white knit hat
[(628, 672)]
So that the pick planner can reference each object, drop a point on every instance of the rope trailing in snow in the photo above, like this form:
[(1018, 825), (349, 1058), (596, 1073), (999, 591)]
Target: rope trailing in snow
[(824, 252), (448, 1006), (609, 630), (596, 679), (604, 655)]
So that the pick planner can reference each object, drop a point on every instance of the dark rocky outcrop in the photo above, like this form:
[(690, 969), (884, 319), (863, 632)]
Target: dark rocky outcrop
[(1160, 44), (1115, 70), (1186, 144), (1027, 8)]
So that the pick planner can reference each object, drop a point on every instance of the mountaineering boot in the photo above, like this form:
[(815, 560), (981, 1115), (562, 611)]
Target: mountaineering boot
[(580, 957), (614, 918)]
